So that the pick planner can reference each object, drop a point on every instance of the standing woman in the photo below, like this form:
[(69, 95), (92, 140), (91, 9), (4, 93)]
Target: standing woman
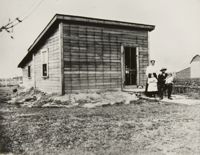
[(151, 69)]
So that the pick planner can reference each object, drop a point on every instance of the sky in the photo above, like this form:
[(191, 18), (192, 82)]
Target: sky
[(173, 43)]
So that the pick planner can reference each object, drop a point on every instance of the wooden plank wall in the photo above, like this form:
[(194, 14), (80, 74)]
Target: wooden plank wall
[(143, 63), (52, 83), (28, 82), (92, 56)]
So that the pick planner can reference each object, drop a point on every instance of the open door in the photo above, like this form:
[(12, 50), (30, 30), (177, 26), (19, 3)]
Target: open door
[(130, 62)]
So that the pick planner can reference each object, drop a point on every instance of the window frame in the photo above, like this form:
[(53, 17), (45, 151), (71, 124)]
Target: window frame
[(29, 71), (47, 62)]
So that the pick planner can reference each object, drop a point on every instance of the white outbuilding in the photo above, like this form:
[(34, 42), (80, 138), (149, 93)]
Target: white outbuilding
[(192, 71), (195, 66)]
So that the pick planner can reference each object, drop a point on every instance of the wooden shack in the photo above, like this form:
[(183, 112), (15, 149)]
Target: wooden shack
[(76, 53)]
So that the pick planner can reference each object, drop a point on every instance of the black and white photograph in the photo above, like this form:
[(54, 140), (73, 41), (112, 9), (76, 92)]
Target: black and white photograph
[(99, 77)]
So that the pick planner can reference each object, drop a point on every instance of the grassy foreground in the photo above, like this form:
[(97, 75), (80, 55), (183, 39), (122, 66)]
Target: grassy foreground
[(142, 127)]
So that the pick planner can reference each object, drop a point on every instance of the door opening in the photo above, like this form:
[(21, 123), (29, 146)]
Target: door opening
[(130, 66)]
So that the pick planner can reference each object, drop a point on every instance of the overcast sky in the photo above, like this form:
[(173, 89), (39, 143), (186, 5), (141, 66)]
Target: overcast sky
[(175, 40)]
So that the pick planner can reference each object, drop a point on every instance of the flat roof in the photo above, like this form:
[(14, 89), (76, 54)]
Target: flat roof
[(83, 20)]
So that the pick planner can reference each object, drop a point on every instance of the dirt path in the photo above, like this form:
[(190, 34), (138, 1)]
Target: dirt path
[(181, 99), (139, 128)]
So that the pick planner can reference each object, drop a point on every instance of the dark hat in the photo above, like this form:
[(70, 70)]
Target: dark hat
[(163, 69)]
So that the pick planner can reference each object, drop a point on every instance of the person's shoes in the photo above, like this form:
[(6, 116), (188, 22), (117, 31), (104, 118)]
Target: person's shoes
[(170, 98)]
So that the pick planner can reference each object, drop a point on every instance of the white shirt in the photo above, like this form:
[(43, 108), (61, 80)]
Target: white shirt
[(151, 69), (169, 80), (152, 84), (152, 80)]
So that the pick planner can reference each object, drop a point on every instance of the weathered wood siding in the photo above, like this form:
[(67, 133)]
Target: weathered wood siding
[(92, 56), (28, 82), (52, 83)]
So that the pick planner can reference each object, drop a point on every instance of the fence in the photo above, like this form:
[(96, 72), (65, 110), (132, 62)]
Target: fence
[(189, 85)]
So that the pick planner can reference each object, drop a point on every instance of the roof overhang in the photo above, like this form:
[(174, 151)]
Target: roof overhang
[(86, 21), (195, 58)]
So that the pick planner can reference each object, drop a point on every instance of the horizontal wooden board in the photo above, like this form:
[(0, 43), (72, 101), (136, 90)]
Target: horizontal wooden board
[(92, 55)]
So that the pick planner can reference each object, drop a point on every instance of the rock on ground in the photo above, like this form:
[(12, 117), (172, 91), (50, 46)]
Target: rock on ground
[(36, 98)]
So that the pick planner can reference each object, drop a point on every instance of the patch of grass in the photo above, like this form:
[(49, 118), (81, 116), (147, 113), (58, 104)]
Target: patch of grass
[(142, 127)]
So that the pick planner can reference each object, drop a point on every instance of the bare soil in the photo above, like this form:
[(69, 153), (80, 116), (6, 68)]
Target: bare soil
[(142, 127)]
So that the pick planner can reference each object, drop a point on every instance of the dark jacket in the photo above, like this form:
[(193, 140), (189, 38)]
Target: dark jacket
[(161, 78)]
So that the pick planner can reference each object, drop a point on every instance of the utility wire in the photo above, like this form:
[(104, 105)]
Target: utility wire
[(34, 8), (11, 24)]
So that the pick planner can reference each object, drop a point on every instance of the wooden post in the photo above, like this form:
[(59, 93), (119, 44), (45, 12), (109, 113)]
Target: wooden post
[(61, 59), (34, 76), (122, 67), (138, 66), (149, 51)]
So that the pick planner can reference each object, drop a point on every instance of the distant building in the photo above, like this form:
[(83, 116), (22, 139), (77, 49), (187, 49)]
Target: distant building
[(195, 67), (184, 74), (11, 81), (3, 82), (193, 71), (17, 80), (76, 53)]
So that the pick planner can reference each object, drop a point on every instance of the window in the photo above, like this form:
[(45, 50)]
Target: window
[(44, 70), (44, 55), (29, 71)]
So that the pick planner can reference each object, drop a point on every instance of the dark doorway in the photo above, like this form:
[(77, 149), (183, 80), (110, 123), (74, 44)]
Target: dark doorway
[(130, 66)]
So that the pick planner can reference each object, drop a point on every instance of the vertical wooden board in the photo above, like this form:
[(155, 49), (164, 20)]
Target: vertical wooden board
[(138, 66), (61, 59)]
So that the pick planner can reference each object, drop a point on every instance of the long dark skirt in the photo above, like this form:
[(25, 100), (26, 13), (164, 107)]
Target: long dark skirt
[(146, 88)]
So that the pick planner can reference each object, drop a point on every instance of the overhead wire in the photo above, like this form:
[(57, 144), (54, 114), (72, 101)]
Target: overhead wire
[(11, 24), (31, 11)]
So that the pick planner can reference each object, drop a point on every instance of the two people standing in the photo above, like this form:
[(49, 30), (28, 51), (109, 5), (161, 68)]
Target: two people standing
[(158, 83)]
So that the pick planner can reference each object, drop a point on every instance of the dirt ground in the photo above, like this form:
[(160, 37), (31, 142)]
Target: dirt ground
[(142, 127)]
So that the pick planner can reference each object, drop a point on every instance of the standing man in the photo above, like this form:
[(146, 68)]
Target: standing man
[(161, 82), (151, 70)]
